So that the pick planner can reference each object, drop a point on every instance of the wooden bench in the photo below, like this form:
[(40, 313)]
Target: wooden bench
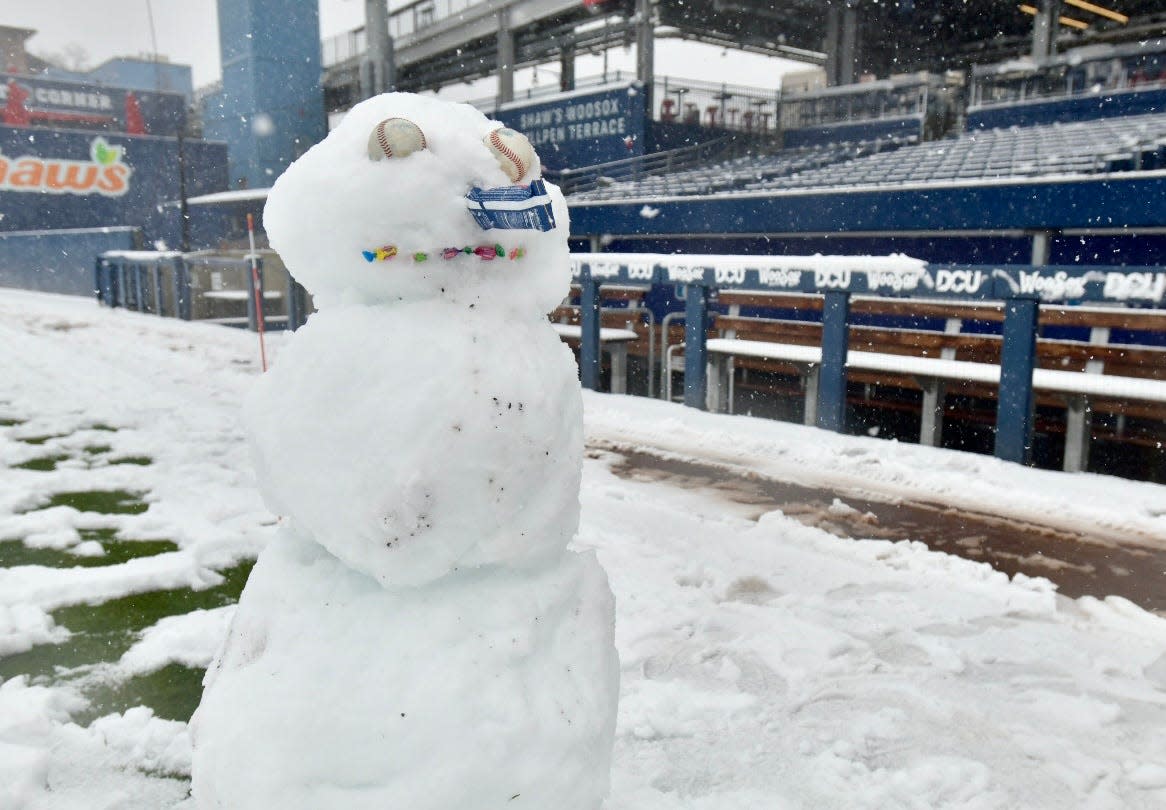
[(1128, 380), (616, 322), (614, 342)]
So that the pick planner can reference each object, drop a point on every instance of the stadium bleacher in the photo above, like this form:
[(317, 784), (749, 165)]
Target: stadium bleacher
[(742, 172), (1128, 143), (1116, 144)]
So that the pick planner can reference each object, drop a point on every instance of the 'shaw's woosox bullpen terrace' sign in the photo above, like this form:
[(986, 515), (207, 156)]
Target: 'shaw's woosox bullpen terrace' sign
[(104, 173), (582, 128)]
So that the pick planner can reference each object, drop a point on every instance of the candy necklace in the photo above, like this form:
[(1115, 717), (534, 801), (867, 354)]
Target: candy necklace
[(484, 252)]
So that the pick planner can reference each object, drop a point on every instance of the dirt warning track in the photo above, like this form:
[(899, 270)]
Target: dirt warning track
[(1080, 564)]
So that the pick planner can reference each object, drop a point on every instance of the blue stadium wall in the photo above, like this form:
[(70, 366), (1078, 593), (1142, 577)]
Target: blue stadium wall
[(1137, 101), (1136, 200), (59, 261), (955, 248), (145, 74), (271, 107), (887, 128), (1112, 221), (58, 195)]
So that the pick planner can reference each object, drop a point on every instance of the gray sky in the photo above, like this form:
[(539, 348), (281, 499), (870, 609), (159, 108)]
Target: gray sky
[(187, 32)]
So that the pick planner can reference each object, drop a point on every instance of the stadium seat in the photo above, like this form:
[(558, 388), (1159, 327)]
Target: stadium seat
[(1130, 143)]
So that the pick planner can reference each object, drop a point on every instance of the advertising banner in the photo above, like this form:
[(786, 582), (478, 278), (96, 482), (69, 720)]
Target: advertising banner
[(52, 179), (581, 128), (891, 276), (35, 101)]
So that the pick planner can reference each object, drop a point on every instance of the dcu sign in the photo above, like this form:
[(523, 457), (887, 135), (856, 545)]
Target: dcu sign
[(104, 173), (893, 276)]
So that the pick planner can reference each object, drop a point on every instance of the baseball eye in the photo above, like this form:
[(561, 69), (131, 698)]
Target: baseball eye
[(512, 150), (395, 138)]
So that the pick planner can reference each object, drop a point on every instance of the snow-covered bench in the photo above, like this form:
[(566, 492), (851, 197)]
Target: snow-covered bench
[(613, 341), (1116, 378), (621, 311)]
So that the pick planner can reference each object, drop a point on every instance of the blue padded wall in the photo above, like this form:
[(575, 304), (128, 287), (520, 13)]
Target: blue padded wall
[(271, 108)]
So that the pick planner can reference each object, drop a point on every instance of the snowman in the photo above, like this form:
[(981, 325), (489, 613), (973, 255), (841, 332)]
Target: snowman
[(417, 635)]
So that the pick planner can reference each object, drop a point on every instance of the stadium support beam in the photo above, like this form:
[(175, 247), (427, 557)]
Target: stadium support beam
[(567, 68), (841, 44), (505, 57), (696, 327), (1015, 404), (831, 414), (377, 71), (645, 47), (589, 323), (1044, 29)]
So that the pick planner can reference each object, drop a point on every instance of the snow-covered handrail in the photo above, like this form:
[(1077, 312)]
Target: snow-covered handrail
[(893, 276), (837, 278)]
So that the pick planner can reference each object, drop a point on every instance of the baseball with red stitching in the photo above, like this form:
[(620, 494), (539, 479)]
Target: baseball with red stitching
[(395, 138), (512, 151)]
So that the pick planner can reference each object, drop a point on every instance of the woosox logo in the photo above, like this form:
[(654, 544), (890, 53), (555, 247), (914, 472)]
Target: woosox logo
[(786, 278), (686, 275), (603, 269), (888, 280), (1058, 286)]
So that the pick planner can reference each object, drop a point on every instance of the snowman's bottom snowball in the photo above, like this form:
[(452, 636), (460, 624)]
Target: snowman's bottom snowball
[(492, 689)]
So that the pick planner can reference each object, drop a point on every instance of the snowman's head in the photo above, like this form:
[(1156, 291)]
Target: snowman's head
[(377, 212)]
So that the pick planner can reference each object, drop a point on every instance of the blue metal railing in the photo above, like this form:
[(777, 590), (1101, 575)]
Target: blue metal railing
[(1021, 288), (160, 283)]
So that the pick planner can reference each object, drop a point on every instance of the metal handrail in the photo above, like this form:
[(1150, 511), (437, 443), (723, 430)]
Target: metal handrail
[(651, 322), (134, 279), (589, 178), (668, 365), (665, 352)]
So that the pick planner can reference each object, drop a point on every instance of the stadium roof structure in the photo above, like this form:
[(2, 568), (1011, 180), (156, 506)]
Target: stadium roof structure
[(902, 35), (880, 37)]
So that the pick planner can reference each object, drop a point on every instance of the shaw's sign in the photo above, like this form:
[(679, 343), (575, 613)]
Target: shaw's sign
[(104, 173)]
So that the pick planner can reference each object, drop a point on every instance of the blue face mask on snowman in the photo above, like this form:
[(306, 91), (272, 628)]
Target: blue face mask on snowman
[(512, 207)]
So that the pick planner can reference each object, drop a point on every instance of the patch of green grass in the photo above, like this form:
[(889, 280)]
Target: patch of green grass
[(50, 462), (42, 463), (104, 501), (141, 461), (8, 421), (173, 692), (101, 426), (104, 632), (39, 440), (14, 552)]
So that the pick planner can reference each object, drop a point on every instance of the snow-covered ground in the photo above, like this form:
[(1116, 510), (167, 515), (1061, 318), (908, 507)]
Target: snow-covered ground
[(766, 664)]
